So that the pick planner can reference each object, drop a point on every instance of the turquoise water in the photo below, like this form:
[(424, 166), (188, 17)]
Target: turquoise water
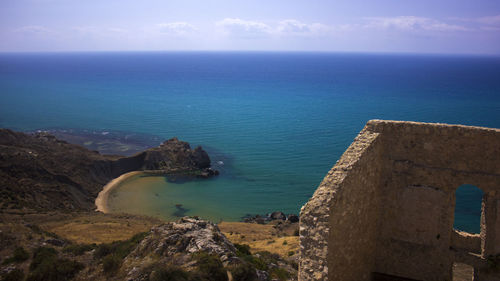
[(278, 121)]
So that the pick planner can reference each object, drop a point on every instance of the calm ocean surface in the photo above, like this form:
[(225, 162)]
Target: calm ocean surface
[(273, 123)]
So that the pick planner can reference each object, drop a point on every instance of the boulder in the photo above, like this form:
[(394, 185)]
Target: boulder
[(292, 218), (277, 216)]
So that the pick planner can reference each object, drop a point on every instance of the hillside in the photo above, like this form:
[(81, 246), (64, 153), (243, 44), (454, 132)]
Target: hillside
[(41, 172)]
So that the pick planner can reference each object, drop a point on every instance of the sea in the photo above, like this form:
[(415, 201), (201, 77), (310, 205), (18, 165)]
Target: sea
[(273, 123)]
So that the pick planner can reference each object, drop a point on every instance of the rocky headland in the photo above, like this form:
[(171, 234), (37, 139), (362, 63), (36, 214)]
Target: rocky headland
[(40, 172)]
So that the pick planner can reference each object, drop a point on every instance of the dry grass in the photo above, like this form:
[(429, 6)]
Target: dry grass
[(97, 229), (260, 237)]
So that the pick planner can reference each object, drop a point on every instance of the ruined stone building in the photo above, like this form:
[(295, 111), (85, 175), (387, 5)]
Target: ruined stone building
[(385, 211)]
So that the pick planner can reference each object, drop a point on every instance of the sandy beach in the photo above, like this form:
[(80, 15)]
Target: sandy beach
[(101, 201)]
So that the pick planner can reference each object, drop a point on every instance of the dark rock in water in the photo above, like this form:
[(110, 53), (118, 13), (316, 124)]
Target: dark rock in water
[(208, 172), (277, 216), (280, 216), (180, 211), (200, 158), (292, 218)]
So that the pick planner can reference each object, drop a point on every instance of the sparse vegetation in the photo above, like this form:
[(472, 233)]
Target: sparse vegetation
[(18, 256), (112, 254), (210, 267), (279, 273), (111, 263), (242, 250), (14, 275), (79, 249), (46, 266), (170, 273), (119, 248), (243, 272)]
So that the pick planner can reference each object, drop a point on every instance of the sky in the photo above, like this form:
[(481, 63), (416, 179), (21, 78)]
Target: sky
[(410, 26)]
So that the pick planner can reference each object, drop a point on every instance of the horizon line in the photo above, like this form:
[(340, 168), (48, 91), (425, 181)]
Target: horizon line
[(256, 51)]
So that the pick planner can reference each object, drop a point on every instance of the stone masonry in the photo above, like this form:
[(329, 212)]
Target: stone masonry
[(385, 211)]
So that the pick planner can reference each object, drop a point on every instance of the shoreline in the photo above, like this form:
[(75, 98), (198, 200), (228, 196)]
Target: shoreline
[(101, 201)]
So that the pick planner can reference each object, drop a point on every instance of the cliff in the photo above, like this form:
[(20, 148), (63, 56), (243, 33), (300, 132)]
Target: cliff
[(40, 172)]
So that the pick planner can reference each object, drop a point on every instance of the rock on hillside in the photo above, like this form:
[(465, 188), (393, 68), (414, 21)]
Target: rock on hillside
[(40, 172), (175, 242)]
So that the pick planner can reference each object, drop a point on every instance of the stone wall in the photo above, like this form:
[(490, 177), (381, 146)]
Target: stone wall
[(387, 206)]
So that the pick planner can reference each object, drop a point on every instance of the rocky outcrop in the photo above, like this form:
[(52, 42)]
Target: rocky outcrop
[(179, 244), (39, 171), (185, 237), (175, 155)]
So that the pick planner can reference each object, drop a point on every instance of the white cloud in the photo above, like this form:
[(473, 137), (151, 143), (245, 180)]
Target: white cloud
[(493, 20), (412, 23), (244, 28), (177, 28), (295, 27), (33, 29), (290, 27)]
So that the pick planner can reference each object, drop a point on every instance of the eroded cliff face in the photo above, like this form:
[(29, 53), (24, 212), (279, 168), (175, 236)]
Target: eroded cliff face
[(41, 172)]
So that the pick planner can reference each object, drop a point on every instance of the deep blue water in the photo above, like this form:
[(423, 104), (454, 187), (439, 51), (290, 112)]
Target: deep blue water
[(278, 121)]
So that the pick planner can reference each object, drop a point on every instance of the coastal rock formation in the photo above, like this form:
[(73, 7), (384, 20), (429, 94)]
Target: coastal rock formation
[(175, 155), (40, 172)]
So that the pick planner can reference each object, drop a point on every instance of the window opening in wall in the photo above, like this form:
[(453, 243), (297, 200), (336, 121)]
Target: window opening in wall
[(468, 205)]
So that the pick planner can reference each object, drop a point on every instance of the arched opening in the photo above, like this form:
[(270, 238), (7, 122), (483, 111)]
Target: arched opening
[(468, 206)]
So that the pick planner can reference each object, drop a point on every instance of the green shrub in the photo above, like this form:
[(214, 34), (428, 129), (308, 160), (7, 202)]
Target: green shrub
[(296, 232), (43, 255), (210, 267), (279, 273), (112, 254), (269, 257), (258, 263), (242, 250), (14, 275), (79, 249), (170, 273), (291, 253), (285, 243), (19, 255), (243, 272), (46, 266), (111, 263), (119, 248)]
